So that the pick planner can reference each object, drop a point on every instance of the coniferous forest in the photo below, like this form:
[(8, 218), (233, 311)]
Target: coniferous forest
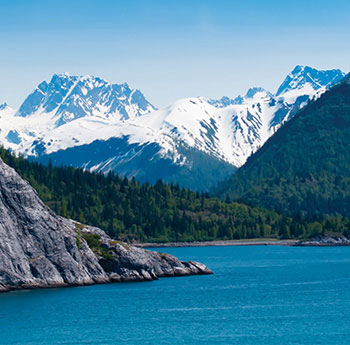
[(130, 211)]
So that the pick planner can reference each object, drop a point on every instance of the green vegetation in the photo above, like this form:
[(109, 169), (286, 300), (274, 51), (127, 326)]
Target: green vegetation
[(304, 169), (78, 227), (79, 239), (94, 242), (123, 244), (129, 211)]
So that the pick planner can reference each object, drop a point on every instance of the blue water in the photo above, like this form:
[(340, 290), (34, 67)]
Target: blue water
[(258, 295)]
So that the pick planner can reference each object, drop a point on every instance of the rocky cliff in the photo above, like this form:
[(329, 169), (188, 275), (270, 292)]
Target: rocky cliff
[(40, 249)]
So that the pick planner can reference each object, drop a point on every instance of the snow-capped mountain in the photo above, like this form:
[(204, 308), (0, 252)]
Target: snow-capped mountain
[(88, 122), (66, 98), (258, 114), (5, 109), (305, 79)]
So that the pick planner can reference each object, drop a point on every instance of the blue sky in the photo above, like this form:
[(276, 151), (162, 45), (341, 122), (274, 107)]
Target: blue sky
[(170, 49)]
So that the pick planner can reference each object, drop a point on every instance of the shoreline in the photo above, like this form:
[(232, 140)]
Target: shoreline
[(254, 242)]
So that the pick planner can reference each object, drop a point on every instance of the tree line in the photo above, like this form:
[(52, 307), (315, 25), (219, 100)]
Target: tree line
[(130, 211)]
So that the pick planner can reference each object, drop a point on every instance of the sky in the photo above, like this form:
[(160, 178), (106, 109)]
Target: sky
[(169, 49)]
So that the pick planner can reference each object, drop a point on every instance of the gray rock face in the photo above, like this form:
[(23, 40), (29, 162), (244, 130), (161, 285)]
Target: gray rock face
[(325, 241), (40, 249)]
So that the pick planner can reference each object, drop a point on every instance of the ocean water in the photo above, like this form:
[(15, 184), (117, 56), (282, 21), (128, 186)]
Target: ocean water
[(258, 295)]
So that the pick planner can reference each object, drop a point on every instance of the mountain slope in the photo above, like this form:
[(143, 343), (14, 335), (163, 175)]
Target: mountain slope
[(304, 168), (70, 115), (198, 172), (40, 249), (127, 210)]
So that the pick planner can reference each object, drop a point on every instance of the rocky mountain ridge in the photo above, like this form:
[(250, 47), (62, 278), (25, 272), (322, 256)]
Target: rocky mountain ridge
[(67, 98)]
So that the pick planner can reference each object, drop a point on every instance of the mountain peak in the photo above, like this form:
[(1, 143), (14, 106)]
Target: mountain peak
[(62, 75), (309, 77), (3, 106), (68, 97), (6, 110), (255, 90), (298, 68), (296, 164)]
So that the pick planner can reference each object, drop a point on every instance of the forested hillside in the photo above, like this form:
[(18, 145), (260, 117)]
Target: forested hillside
[(305, 167), (130, 211)]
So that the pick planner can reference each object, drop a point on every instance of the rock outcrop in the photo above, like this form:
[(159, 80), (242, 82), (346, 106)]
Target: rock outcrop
[(40, 249), (325, 241)]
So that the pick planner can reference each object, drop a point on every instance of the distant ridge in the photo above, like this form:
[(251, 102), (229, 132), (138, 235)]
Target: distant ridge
[(195, 142)]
